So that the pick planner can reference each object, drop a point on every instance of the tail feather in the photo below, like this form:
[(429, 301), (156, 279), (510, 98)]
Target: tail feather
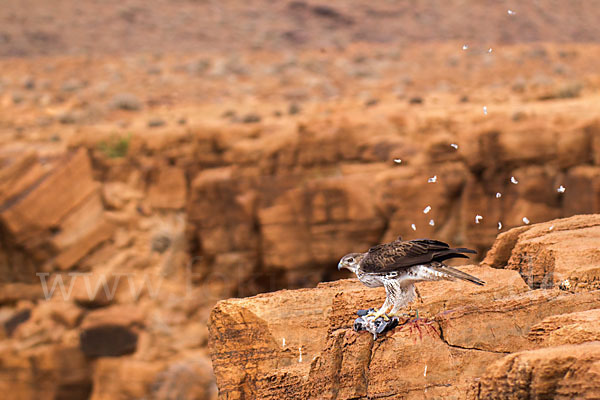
[(465, 250), (453, 253), (455, 273)]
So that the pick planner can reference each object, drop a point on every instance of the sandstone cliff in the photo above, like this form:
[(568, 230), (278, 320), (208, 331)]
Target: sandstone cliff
[(152, 186), (507, 339), (279, 201)]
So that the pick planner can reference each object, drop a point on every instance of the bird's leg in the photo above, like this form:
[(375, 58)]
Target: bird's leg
[(396, 312), (381, 312), (405, 295), (416, 311)]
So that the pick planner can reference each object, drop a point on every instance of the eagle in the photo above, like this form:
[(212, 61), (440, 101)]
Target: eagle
[(398, 265)]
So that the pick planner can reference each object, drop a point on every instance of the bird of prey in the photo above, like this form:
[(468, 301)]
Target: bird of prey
[(398, 265)]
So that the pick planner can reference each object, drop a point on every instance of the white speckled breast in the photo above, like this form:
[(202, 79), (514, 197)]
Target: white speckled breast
[(370, 280)]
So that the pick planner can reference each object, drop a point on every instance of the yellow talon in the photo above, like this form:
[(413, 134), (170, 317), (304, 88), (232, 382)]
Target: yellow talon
[(378, 314)]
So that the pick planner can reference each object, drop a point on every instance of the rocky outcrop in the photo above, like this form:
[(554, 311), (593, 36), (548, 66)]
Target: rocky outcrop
[(280, 205), (51, 215), (505, 339), (110, 332), (561, 253), (209, 212), (95, 289), (285, 194)]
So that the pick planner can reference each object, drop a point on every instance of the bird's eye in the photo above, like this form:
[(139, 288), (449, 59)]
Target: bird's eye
[(350, 260)]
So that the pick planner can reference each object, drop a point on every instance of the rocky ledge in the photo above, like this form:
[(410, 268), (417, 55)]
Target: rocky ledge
[(530, 332)]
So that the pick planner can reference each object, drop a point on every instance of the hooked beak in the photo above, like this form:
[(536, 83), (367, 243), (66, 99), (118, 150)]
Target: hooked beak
[(340, 265)]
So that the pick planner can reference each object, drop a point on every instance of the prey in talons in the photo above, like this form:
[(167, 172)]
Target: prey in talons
[(397, 266)]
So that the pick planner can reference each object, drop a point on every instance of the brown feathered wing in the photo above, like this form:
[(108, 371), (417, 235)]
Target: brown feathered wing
[(400, 255)]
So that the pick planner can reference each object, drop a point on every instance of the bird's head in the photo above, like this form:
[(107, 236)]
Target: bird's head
[(350, 261)]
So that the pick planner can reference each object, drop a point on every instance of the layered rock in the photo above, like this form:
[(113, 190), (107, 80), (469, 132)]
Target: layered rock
[(561, 253), (97, 296), (276, 205), (475, 342), (298, 201), (51, 215)]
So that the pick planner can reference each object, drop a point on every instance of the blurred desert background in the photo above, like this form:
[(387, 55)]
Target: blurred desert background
[(158, 156)]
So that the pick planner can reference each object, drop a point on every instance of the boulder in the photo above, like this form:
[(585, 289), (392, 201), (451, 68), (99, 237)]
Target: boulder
[(48, 219), (44, 206), (111, 332), (301, 344), (559, 253)]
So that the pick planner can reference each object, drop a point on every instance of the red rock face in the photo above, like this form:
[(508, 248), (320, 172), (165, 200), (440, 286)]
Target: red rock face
[(316, 195), (500, 340)]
